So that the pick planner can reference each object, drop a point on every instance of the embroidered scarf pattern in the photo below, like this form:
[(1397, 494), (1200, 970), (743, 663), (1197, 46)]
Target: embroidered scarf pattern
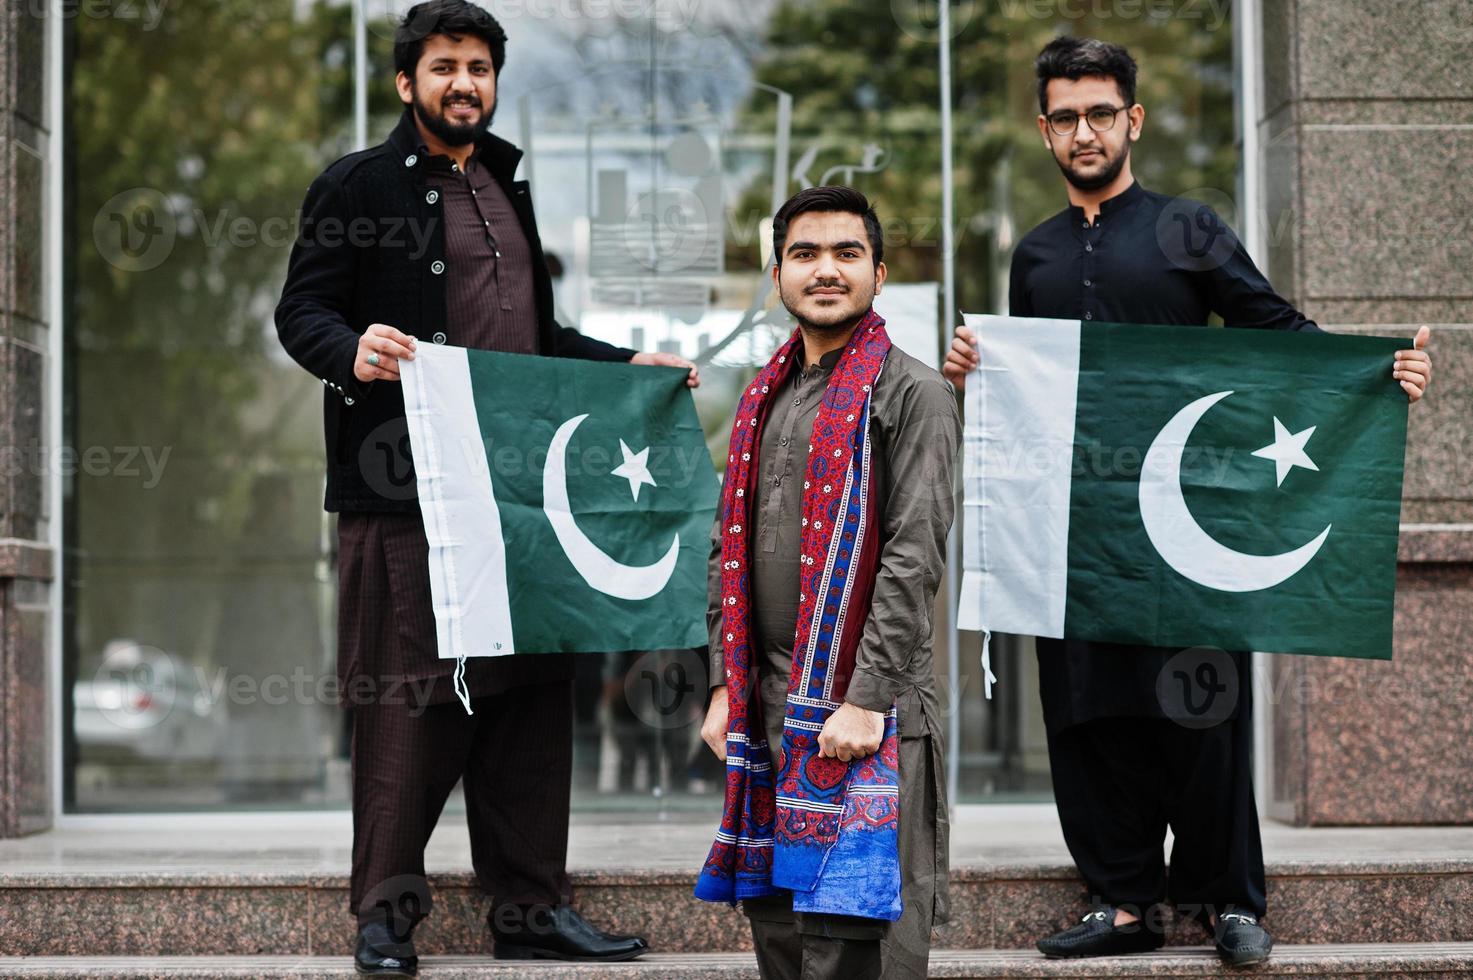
[(826, 830)]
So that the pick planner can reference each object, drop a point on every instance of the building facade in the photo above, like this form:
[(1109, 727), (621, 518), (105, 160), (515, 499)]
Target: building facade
[(165, 568)]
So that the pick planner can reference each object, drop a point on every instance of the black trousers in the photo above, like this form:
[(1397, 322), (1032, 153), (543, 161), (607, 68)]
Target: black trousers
[(515, 755), (1119, 783)]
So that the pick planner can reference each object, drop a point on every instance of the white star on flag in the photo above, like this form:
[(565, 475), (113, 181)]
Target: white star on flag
[(1287, 450), (635, 468)]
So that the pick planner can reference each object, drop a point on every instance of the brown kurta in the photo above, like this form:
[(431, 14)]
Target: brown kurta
[(488, 264), (917, 433)]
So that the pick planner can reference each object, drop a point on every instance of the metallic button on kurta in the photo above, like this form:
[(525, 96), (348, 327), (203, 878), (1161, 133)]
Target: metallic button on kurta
[(348, 401), (437, 267), (411, 160), (439, 337), (432, 197)]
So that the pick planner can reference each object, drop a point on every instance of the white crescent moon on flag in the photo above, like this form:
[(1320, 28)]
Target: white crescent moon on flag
[(1178, 537), (598, 569)]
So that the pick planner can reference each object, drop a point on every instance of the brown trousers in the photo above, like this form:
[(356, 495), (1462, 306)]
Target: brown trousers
[(515, 755), (412, 740), (799, 946)]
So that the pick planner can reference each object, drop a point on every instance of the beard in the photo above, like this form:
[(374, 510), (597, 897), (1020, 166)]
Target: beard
[(1104, 178), (831, 321), (447, 132)]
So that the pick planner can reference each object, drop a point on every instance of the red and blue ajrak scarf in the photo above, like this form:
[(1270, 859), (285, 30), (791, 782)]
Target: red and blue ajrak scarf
[(827, 830)]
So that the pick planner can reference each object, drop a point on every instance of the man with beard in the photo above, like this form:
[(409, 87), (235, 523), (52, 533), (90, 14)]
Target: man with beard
[(427, 237), (827, 552), (1123, 771)]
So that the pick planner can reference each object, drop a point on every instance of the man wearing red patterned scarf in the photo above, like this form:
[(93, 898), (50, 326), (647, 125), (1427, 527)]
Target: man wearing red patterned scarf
[(826, 556)]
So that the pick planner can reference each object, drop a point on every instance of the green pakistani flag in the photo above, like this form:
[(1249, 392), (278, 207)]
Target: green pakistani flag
[(568, 503), (1180, 486)]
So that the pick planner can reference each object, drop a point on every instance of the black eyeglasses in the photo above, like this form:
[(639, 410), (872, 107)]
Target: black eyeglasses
[(1101, 119)]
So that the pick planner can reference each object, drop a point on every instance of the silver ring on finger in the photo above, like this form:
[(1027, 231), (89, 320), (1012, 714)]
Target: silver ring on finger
[(373, 360)]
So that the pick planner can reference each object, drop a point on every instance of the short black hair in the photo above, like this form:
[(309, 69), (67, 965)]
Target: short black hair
[(833, 197), (1083, 57), (455, 18)]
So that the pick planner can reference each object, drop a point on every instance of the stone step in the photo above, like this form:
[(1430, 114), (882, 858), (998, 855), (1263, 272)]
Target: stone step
[(1426, 961), (656, 966), (258, 887), (269, 913)]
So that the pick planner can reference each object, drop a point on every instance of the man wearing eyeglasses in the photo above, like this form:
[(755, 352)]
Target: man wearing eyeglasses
[(1123, 770)]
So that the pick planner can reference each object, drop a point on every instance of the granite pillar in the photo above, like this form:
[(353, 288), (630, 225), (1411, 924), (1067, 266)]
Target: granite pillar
[(1367, 164), (27, 688)]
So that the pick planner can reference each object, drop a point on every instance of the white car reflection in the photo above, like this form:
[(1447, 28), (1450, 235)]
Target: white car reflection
[(144, 703)]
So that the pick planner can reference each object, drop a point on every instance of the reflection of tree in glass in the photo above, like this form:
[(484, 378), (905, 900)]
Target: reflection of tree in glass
[(227, 109), (857, 79), (597, 67)]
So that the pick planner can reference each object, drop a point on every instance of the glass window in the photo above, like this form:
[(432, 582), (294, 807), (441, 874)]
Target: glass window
[(199, 599), (658, 137)]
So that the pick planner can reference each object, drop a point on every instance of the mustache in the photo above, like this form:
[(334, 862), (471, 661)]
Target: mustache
[(472, 101), (825, 285)]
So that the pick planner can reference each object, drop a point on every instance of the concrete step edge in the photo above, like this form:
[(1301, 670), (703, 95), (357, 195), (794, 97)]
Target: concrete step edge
[(1401, 959), (126, 877)]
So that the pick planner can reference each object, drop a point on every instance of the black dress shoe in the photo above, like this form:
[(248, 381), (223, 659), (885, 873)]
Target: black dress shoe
[(1240, 939), (380, 954), (558, 933), (1097, 935)]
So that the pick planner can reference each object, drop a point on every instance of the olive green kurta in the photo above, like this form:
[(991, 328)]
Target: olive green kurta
[(916, 430)]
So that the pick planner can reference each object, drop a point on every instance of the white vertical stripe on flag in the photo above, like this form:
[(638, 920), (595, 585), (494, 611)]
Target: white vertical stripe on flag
[(462, 522), (1016, 475)]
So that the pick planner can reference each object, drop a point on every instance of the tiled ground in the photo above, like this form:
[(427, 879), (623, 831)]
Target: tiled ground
[(983, 837)]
